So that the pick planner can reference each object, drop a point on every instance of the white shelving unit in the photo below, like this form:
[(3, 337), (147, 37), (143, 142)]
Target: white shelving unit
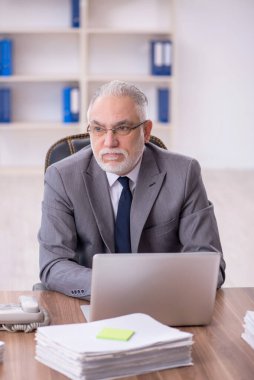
[(113, 42)]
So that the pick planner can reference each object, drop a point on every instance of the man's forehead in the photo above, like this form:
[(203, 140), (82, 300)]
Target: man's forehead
[(112, 109), (113, 100)]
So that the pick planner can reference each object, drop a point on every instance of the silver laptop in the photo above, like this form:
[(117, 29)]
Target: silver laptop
[(177, 289)]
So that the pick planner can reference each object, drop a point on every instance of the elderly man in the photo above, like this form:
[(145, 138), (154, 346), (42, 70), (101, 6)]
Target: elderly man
[(121, 194)]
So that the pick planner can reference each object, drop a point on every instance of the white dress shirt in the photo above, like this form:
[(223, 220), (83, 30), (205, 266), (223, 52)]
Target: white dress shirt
[(115, 188)]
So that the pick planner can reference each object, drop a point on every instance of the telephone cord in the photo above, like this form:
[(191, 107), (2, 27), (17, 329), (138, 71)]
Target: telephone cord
[(27, 327)]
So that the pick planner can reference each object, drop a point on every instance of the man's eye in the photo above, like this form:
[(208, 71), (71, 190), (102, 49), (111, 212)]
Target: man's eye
[(98, 129), (124, 128)]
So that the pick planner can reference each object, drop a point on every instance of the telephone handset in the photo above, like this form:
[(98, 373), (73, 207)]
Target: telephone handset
[(26, 315)]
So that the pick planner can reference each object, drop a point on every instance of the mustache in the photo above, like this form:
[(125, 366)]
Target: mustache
[(112, 151)]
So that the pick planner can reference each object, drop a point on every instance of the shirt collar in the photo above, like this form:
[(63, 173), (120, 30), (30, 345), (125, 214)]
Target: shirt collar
[(132, 175)]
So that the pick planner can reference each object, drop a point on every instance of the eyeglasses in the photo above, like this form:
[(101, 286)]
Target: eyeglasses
[(122, 130)]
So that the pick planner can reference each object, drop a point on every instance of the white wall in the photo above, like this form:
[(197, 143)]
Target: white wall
[(214, 56)]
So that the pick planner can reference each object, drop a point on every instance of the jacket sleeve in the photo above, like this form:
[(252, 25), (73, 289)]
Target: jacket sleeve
[(198, 230), (59, 268)]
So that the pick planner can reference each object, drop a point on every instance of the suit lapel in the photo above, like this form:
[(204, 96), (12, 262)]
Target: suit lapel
[(96, 184), (149, 183)]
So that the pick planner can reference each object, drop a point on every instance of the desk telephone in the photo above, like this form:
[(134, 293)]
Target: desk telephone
[(25, 316)]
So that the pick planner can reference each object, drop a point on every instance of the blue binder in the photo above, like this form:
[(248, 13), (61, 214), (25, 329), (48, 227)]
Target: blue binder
[(167, 58), (67, 105), (70, 104), (75, 14), (74, 104), (156, 57), (1, 58), (6, 57), (163, 105), (5, 105)]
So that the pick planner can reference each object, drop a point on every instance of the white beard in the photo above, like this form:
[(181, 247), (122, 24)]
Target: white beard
[(123, 167)]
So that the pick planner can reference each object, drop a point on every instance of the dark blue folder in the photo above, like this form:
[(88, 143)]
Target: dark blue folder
[(5, 105), (163, 105), (75, 14)]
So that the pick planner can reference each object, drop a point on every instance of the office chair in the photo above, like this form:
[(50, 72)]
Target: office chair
[(66, 147), (72, 144)]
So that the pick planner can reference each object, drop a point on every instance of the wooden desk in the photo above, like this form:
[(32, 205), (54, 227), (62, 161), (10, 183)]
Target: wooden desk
[(219, 353)]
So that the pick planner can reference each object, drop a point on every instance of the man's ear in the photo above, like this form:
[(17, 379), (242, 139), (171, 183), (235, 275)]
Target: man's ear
[(147, 130)]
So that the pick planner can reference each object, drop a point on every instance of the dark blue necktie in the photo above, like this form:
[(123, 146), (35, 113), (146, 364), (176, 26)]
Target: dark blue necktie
[(122, 226)]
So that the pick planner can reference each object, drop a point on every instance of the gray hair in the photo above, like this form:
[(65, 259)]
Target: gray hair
[(119, 88)]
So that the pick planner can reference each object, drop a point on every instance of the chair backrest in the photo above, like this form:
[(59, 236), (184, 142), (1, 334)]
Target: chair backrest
[(72, 144)]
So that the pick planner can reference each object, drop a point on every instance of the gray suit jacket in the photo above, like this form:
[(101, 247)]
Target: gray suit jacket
[(170, 212)]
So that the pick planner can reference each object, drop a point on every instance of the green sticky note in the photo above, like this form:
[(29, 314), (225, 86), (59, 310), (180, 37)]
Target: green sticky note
[(115, 334)]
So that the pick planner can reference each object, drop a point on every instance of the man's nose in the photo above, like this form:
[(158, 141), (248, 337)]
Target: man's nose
[(110, 139)]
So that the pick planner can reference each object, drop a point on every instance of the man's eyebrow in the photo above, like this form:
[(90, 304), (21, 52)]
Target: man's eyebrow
[(117, 124), (122, 122), (96, 123)]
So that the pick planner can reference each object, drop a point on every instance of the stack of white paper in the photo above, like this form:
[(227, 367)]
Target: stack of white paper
[(1, 351), (77, 352), (248, 334)]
